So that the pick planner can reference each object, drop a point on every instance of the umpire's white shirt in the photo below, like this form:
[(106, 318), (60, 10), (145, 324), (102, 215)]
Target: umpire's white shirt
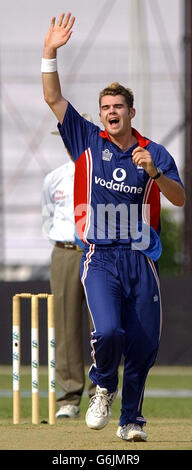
[(57, 204)]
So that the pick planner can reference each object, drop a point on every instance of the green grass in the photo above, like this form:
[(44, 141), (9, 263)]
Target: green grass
[(159, 378), (174, 408), (155, 408), (169, 382), (6, 408)]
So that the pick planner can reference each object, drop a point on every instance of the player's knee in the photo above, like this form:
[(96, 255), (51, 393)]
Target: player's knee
[(110, 335)]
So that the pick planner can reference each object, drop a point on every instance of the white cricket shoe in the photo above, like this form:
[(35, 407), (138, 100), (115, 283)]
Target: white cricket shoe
[(131, 432), (67, 411), (98, 413)]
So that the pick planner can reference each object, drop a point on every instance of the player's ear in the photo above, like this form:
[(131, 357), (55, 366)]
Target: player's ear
[(132, 112)]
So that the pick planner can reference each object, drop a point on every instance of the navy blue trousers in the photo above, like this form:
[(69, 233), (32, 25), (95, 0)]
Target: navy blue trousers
[(123, 296)]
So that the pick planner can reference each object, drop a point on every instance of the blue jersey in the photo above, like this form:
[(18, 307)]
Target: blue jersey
[(111, 193)]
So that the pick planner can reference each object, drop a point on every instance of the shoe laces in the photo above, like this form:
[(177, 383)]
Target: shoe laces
[(101, 401)]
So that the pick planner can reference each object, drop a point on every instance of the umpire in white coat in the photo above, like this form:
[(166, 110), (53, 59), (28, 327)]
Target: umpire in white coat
[(59, 228)]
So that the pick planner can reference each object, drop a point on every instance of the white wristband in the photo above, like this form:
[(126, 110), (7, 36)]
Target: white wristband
[(48, 65)]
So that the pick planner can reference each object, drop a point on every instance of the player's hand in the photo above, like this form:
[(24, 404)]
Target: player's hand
[(58, 34), (142, 157)]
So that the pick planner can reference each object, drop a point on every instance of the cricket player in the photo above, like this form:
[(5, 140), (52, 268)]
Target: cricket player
[(119, 175)]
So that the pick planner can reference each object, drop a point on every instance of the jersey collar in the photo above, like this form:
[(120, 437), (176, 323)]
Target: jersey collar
[(142, 141)]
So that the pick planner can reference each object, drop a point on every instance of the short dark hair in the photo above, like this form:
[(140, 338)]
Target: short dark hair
[(116, 89)]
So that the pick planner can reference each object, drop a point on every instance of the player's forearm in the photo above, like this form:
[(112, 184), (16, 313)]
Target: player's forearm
[(51, 83), (52, 90), (172, 190)]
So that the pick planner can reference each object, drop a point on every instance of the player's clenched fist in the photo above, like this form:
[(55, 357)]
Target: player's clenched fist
[(142, 157), (58, 33)]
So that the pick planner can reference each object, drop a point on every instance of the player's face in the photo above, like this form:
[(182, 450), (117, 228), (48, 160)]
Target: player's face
[(115, 115)]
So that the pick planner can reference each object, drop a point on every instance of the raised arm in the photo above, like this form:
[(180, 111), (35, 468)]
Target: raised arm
[(57, 36)]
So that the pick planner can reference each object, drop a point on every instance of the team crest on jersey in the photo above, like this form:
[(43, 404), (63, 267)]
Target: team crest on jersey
[(107, 155)]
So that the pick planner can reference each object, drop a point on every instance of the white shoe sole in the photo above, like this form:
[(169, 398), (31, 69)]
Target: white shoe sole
[(133, 436), (137, 438), (67, 416)]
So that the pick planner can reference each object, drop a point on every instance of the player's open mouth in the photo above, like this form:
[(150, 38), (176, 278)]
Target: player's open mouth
[(114, 122)]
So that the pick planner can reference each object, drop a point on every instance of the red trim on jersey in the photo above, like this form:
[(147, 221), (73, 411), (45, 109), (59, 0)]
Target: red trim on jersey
[(142, 141), (104, 134), (82, 193), (152, 197)]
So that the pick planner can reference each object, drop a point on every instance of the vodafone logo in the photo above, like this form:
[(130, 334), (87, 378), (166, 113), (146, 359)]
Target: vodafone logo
[(119, 174), (117, 183)]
